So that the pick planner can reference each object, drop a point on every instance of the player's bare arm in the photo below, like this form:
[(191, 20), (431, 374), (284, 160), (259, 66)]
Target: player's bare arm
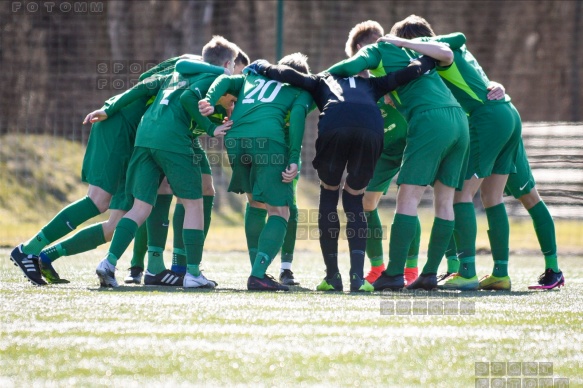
[(439, 51)]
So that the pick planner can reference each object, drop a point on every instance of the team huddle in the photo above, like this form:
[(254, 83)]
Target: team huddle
[(411, 103)]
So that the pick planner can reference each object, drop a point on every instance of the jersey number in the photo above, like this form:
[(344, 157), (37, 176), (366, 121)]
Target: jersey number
[(261, 88)]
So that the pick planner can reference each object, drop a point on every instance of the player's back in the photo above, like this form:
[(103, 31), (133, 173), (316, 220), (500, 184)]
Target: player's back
[(261, 108), (424, 93)]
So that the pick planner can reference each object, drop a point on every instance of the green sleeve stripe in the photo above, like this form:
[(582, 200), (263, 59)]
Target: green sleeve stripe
[(453, 75)]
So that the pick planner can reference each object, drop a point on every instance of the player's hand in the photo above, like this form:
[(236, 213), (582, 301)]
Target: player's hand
[(399, 42), (389, 101), (496, 91), (258, 66), (290, 173), (95, 116), (205, 108), (221, 130)]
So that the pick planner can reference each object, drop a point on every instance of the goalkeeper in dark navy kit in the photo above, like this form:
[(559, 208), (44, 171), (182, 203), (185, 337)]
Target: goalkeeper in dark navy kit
[(350, 136)]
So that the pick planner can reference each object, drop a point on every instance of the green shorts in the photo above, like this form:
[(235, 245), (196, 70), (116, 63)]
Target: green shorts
[(522, 182), (108, 153), (205, 166), (389, 163), (257, 166), (148, 167), (437, 148), (495, 132)]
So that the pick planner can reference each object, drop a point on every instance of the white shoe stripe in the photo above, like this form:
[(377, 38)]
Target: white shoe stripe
[(175, 280), (165, 278)]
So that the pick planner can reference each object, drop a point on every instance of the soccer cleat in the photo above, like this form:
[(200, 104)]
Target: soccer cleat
[(549, 280), (374, 273), (411, 274), (333, 283), (442, 277), (286, 277), (357, 284), (164, 278), (135, 275), (491, 282), (106, 273), (200, 281), (458, 282), (268, 283), (28, 264), (424, 282), (386, 282), (48, 271)]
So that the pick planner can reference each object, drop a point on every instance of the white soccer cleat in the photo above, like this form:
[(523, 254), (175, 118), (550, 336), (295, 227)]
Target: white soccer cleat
[(200, 281), (106, 274)]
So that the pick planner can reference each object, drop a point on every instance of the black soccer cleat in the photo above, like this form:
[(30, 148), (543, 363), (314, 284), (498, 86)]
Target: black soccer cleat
[(164, 278), (286, 277), (386, 282), (424, 282), (332, 283), (135, 275), (28, 264), (549, 280), (358, 284), (268, 283), (444, 276)]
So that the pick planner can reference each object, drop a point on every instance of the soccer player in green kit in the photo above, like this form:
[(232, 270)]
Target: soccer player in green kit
[(104, 168), (186, 67), (436, 151), (387, 167), (495, 138), (163, 147), (263, 166)]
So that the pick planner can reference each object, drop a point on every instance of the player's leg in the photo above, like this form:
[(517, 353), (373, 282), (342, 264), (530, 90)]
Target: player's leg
[(267, 187), (255, 220), (157, 232), (286, 276), (522, 186), (374, 241)]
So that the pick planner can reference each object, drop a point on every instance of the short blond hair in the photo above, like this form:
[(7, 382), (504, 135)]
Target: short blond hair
[(219, 50), (362, 34), (296, 61)]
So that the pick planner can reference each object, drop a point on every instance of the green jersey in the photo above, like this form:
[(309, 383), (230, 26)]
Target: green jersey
[(261, 109), (465, 77), (394, 123), (424, 93)]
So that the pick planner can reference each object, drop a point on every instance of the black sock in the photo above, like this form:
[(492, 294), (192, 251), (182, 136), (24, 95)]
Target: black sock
[(355, 231), (329, 226)]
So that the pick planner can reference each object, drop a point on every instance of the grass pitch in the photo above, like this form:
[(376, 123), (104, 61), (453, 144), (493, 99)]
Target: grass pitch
[(80, 335)]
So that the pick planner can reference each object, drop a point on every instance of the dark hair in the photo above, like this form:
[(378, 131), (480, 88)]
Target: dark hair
[(363, 32), (296, 61)]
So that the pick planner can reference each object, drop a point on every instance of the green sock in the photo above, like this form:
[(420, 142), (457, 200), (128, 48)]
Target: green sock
[(403, 232), (64, 222), (413, 255), (156, 260), (270, 242), (140, 246), (465, 232), (157, 226), (207, 201), (499, 234), (289, 242), (122, 237), (85, 240), (179, 253), (193, 243), (254, 224), (544, 226), (438, 241), (453, 263), (374, 238)]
